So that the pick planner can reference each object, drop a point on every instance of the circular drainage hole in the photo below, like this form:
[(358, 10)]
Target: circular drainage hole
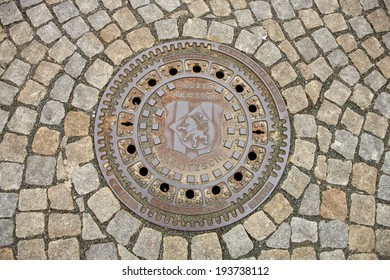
[(190, 194), (164, 187), (143, 171)]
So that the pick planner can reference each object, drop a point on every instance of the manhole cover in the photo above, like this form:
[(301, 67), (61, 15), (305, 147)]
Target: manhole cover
[(192, 135)]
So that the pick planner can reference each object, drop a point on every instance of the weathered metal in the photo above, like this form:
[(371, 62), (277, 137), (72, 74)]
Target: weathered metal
[(192, 135)]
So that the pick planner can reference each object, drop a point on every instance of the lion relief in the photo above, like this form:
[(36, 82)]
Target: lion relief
[(195, 129)]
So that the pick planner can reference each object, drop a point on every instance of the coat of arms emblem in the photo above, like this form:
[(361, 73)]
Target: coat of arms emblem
[(193, 129)]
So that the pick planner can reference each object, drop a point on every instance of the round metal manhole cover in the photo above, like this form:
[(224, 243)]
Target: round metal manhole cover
[(192, 135)]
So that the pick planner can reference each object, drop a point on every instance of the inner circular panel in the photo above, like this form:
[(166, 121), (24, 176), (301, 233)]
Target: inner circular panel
[(192, 135)]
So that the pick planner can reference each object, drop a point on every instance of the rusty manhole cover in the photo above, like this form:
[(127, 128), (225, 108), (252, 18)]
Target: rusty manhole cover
[(192, 135)]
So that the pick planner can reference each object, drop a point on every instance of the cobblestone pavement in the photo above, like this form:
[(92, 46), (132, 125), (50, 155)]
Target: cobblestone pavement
[(330, 60)]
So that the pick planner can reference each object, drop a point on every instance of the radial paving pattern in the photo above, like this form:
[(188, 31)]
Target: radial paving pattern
[(330, 60)]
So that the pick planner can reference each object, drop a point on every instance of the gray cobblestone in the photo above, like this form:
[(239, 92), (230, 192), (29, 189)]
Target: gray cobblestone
[(102, 251), (29, 224), (138, 3), (345, 143), (148, 244), (196, 28), (321, 69), (206, 247), (303, 155), (7, 93), (99, 73), (10, 176), (338, 171), (337, 58), (87, 6), (75, 65), (99, 19), (168, 5), (333, 234), (327, 6), (386, 164), (49, 33), (40, 170), (124, 254), (283, 9), (332, 255), (65, 249), (31, 249), (90, 230), (62, 49), (369, 4), (123, 226), (268, 54), (248, 42), (23, 120), (17, 72), (301, 4), (324, 39), (294, 28), (3, 119), (220, 8), (305, 126), (384, 187), (103, 204), (32, 199), (86, 179), (237, 241), (90, 44), (167, 29), (76, 27), (261, 10), (65, 11), (375, 80), (349, 75), (281, 237), (39, 15), (310, 204), (383, 242), (306, 48), (112, 4), (9, 13), (220, 32), (361, 26), (8, 202), (7, 52), (383, 214), (371, 147), (296, 182), (329, 113), (85, 97), (52, 113), (6, 230), (150, 13), (21, 33), (244, 17), (62, 88), (303, 230), (13, 148)]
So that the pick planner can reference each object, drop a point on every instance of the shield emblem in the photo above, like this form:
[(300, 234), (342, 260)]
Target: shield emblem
[(193, 129)]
